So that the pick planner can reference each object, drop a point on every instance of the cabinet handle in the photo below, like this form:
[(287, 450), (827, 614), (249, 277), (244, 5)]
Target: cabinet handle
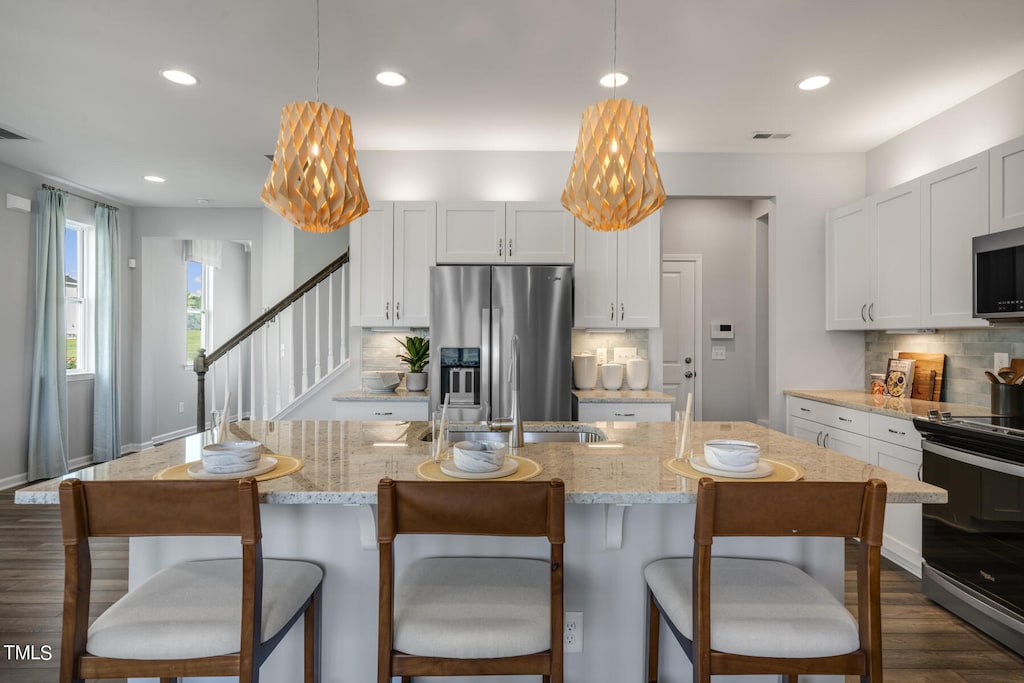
[(862, 309), (613, 311), (817, 439), (919, 469), (499, 246), (387, 310), (509, 246), (824, 441), (624, 414), (398, 310), (383, 412), (806, 410), (622, 311), (845, 419), (871, 312), (896, 432)]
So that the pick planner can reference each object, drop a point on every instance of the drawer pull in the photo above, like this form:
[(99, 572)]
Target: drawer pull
[(845, 419), (817, 439), (896, 432), (624, 414), (806, 410), (383, 412)]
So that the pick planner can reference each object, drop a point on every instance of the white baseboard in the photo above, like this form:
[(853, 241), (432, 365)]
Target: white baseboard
[(13, 481)]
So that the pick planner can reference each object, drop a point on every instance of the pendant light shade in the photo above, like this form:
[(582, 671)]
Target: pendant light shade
[(314, 181), (614, 181)]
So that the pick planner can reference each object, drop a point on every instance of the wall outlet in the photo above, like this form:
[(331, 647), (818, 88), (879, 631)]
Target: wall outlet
[(602, 356), (181, 407), (572, 629), (1000, 360), (717, 353)]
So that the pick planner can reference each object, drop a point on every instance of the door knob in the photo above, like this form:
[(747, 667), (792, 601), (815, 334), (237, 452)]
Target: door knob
[(687, 360), (688, 374)]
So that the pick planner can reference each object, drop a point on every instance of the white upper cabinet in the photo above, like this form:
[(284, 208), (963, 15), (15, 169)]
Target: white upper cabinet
[(504, 232), (873, 266), (392, 248), (538, 233), (1007, 186), (618, 276), (954, 208)]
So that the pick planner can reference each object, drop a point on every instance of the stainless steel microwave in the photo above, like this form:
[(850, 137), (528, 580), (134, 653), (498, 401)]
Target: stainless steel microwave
[(999, 275)]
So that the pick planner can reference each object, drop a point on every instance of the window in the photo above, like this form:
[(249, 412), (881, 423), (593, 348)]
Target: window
[(78, 296), (199, 301)]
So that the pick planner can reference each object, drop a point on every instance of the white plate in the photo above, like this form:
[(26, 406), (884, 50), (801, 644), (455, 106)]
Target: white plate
[(510, 466), (266, 463), (764, 469)]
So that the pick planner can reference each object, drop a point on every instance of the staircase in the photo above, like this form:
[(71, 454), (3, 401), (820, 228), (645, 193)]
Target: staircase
[(287, 353)]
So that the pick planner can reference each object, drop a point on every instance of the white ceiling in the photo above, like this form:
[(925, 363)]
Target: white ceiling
[(80, 78)]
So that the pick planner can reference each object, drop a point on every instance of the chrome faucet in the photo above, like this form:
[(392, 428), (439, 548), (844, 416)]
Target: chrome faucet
[(514, 423)]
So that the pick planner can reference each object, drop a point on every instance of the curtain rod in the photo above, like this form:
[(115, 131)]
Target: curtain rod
[(88, 199)]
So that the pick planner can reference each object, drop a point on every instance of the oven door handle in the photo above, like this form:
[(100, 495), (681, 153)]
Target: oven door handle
[(975, 460)]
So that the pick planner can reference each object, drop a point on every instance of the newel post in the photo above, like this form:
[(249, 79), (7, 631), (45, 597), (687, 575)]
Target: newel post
[(199, 366)]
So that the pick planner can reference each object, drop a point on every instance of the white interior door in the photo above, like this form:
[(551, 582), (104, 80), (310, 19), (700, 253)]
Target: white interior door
[(680, 316)]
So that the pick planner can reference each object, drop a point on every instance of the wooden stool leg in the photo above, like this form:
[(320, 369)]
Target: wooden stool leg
[(312, 628), (653, 634)]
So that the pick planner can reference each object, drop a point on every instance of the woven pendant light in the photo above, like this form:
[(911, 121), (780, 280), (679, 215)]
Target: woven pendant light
[(314, 180), (614, 181)]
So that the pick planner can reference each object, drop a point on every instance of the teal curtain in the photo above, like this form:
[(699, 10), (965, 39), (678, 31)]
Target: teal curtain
[(106, 416), (48, 410)]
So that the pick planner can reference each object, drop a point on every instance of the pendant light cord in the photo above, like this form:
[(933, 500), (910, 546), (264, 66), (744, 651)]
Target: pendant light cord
[(615, 45), (317, 50)]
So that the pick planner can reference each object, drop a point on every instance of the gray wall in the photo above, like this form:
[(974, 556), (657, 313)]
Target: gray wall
[(724, 233)]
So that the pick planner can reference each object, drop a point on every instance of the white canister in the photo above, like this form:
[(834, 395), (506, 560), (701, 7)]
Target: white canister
[(584, 371), (638, 373), (611, 376)]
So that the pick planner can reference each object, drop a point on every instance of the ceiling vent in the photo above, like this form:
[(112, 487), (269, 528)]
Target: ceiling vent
[(768, 135), (10, 135)]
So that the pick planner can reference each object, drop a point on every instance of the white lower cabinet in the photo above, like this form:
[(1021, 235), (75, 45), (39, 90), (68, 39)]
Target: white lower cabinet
[(625, 412), (891, 443), (402, 411)]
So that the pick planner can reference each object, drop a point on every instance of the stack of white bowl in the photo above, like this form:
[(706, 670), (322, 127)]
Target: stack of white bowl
[(231, 457), (732, 456)]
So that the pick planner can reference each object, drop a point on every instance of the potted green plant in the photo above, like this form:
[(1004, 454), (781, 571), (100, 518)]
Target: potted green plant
[(416, 356)]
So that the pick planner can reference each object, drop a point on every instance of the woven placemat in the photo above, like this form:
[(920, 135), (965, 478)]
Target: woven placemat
[(783, 471), (286, 464), (528, 469)]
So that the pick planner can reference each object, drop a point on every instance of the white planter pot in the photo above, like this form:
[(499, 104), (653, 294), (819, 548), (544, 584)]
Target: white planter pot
[(415, 381)]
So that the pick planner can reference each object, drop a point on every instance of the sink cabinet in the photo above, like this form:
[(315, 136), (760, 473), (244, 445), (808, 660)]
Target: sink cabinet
[(392, 248), (618, 276), (888, 442)]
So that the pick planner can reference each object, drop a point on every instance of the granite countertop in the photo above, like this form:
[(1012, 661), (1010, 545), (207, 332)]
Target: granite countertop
[(906, 408), (345, 460), (621, 396), (399, 394)]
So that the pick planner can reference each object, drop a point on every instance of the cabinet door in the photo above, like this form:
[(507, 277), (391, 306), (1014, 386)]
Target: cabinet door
[(595, 294), (1006, 163), (902, 535), (954, 208), (848, 245), (639, 274), (847, 443), (415, 236), (805, 430), (538, 232), (372, 249), (625, 412), (896, 300), (471, 232)]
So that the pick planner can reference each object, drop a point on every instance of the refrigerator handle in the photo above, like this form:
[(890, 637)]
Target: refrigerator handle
[(487, 378), (495, 366)]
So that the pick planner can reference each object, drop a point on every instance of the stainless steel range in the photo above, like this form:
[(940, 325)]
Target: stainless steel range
[(973, 546)]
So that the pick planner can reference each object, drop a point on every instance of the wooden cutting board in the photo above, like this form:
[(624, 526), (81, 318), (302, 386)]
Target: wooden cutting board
[(926, 364)]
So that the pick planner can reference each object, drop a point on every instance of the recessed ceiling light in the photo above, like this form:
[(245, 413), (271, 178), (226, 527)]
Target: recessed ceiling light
[(613, 80), (153, 178), (392, 78), (179, 77), (814, 82)]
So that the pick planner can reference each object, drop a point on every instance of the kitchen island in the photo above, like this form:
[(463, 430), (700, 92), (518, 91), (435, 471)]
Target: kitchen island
[(624, 509)]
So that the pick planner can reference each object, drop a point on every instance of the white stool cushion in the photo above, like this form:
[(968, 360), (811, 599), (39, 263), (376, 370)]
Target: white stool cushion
[(194, 609), (759, 608), (473, 607)]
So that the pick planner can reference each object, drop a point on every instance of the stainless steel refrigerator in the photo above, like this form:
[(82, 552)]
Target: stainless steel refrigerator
[(474, 311)]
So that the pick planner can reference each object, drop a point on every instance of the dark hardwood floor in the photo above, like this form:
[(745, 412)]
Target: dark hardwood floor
[(923, 643)]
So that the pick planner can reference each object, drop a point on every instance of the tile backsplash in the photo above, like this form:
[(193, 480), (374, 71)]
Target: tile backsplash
[(380, 348), (969, 353), (584, 340)]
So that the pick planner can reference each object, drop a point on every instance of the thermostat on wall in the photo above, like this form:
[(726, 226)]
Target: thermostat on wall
[(721, 331)]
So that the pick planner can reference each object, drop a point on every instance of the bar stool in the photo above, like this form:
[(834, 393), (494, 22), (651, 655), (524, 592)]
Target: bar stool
[(764, 617), (201, 618), (460, 616)]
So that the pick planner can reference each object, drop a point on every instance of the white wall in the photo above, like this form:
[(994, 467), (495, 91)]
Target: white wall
[(989, 118)]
